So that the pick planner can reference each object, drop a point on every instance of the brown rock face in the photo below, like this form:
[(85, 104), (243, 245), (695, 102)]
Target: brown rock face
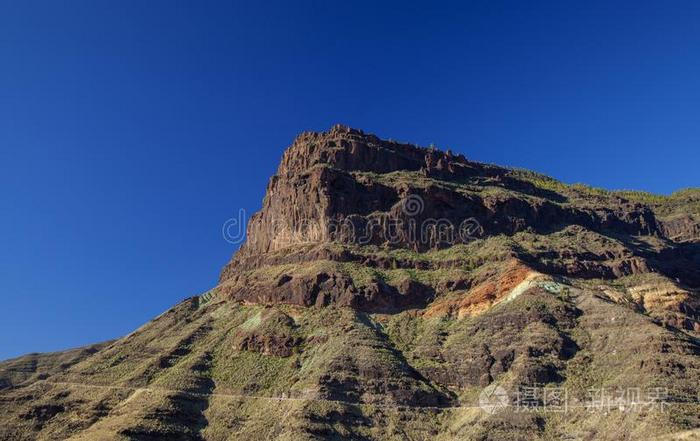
[(682, 228), (323, 288), (340, 193)]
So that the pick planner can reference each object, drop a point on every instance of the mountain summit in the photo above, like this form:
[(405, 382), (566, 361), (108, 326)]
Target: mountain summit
[(347, 197), (387, 291)]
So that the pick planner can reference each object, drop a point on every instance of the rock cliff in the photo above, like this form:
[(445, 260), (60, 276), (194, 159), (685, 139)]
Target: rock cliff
[(344, 196)]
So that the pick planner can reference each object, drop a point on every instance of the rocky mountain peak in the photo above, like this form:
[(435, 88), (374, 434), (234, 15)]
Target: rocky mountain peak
[(345, 198), (353, 150)]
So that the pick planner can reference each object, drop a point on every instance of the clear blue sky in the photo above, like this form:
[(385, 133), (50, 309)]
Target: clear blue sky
[(131, 130)]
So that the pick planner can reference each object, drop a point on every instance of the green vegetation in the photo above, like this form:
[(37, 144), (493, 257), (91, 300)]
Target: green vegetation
[(686, 201), (253, 322)]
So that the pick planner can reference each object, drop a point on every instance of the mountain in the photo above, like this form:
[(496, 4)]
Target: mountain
[(391, 292)]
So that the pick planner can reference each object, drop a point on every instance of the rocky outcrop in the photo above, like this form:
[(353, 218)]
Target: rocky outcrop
[(323, 289), (315, 197), (681, 228), (344, 187)]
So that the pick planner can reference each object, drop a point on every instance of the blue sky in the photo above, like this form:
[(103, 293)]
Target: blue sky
[(130, 131)]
